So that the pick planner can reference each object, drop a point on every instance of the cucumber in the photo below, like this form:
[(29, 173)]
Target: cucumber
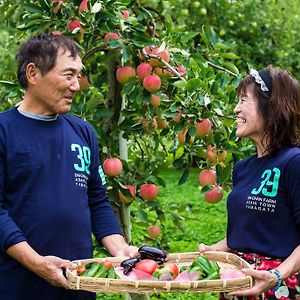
[(93, 269)]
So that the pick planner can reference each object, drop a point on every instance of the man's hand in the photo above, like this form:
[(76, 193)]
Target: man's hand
[(48, 267), (51, 269), (117, 246)]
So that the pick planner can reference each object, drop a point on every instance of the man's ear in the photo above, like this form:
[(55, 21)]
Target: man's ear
[(31, 73)]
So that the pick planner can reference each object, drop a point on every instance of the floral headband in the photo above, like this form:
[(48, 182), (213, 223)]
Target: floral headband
[(263, 78)]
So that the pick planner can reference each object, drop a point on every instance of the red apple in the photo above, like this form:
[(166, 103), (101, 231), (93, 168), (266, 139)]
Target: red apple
[(163, 72), (84, 83), (203, 127), (149, 191), (84, 5), (178, 116), (211, 154), (125, 14), (124, 74), (214, 195), (207, 177), (143, 70), (126, 199), (152, 83), (164, 54), (155, 100), (111, 36), (161, 122), (153, 231), (162, 271), (112, 166), (222, 155), (58, 5), (73, 25), (181, 135), (181, 69)]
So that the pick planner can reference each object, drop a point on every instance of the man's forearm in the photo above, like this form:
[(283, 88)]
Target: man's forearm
[(24, 254)]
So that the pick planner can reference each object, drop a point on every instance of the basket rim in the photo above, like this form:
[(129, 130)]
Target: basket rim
[(125, 285)]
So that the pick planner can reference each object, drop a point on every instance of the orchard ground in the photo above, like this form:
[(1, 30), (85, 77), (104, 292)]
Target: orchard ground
[(203, 222)]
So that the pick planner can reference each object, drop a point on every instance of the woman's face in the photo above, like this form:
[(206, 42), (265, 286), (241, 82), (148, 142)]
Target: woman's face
[(249, 120)]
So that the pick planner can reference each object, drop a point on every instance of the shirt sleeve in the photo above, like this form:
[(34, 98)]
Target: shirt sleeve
[(104, 220), (292, 184), (10, 233)]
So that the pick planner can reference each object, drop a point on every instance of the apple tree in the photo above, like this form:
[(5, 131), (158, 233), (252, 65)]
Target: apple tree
[(158, 97)]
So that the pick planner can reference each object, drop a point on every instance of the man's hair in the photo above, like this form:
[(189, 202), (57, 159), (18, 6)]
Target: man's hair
[(280, 109), (42, 50)]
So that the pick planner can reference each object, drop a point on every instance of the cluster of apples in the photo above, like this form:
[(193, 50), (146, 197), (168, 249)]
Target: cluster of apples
[(148, 191)]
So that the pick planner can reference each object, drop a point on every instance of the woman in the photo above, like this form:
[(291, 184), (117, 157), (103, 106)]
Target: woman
[(264, 204)]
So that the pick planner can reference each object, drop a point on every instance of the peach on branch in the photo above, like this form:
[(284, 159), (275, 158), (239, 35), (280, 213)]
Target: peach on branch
[(222, 155), (125, 73), (207, 177), (143, 70), (111, 36), (163, 72), (153, 231), (214, 195), (149, 191), (112, 166), (203, 127), (152, 83)]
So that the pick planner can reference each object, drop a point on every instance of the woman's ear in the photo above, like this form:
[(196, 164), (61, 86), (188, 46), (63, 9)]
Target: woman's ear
[(31, 73)]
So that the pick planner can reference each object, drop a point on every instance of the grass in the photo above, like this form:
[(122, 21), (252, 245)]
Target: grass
[(202, 222)]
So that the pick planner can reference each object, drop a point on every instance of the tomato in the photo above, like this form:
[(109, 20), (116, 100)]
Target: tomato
[(80, 269), (168, 267), (147, 266), (107, 264)]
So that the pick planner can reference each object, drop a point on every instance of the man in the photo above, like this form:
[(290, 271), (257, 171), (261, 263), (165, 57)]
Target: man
[(51, 194)]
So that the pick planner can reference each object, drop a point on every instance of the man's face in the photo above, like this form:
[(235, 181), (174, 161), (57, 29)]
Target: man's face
[(54, 92)]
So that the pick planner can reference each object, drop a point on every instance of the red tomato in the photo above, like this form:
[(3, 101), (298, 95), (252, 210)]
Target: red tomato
[(168, 267), (80, 269), (107, 264), (147, 266)]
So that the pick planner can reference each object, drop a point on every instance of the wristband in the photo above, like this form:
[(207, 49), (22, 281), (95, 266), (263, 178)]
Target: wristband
[(274, 271)]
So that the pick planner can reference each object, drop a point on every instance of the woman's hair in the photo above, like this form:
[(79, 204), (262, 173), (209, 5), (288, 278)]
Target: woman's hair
[(42, 50), (279, 108)]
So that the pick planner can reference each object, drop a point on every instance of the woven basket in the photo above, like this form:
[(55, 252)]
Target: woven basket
[(226, 261)]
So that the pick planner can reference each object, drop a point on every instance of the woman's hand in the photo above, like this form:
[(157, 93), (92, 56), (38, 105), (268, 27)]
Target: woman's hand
[(263, 281), (219, 246)]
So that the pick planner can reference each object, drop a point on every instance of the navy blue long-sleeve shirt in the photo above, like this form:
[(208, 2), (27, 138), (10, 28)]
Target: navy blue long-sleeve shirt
[(51, 195), (264, 205)]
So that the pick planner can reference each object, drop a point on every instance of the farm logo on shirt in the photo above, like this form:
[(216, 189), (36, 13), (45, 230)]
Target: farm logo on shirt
[(83, 154), (268, 188)]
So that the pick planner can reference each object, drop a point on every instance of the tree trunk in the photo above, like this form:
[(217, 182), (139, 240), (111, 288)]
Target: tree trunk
[(116, 102)]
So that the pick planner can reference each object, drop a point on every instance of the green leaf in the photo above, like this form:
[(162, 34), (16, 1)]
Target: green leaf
[(188, 36), (142, 214), (230, 55), (125, 53), (193, 84), (178, 163), (105, 113), (184, 177), (180, 84), (33, 8)]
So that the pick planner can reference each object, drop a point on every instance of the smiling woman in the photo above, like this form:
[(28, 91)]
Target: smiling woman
[(265, 198)]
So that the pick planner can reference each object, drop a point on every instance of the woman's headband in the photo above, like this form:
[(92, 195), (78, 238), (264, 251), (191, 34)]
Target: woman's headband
[(263, 78)]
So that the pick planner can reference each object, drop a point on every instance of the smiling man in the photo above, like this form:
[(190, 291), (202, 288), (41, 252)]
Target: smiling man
[(51, 194)]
